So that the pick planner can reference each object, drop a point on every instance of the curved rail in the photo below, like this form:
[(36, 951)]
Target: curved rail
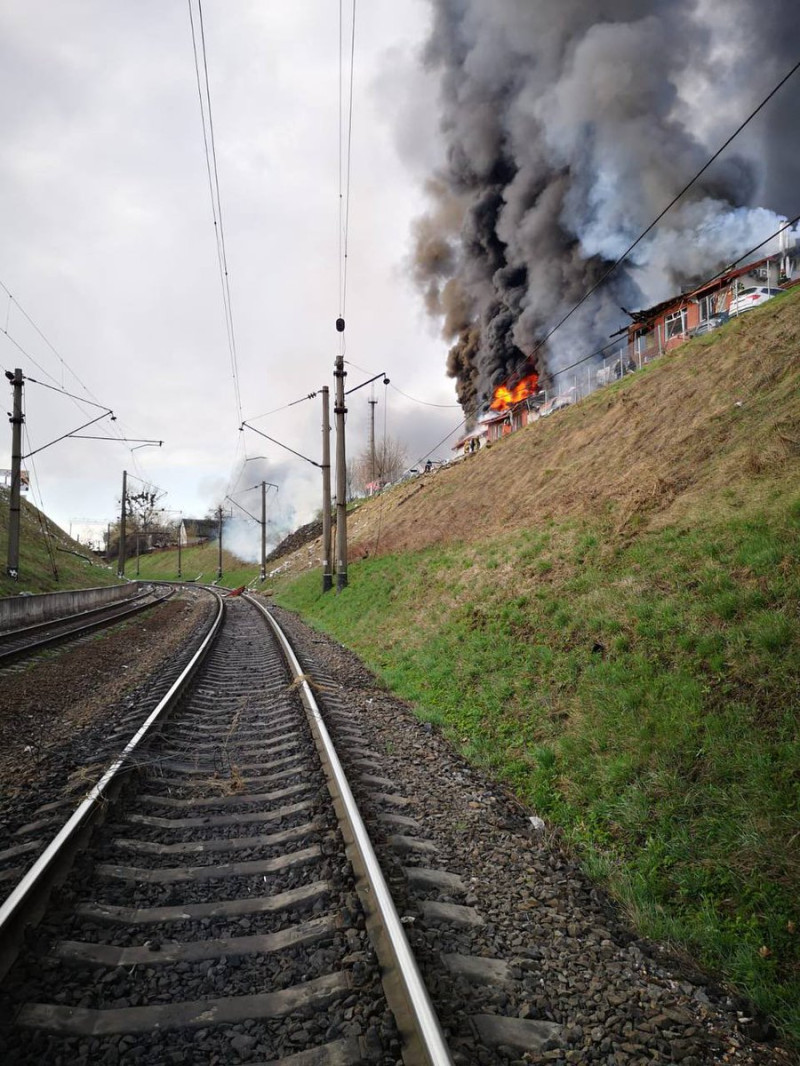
[(403, 984), (27, 900), (113, 613)]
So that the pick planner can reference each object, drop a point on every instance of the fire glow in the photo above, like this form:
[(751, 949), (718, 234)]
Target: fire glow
[(505, 397)]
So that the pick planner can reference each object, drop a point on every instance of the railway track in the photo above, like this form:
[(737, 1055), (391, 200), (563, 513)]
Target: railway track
[(19, 644), (216, 912), (229, 906)]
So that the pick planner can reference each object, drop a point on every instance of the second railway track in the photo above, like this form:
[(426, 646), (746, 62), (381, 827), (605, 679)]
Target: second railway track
[(20, 644)]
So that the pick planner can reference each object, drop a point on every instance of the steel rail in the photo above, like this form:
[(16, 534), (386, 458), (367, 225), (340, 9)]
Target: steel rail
[(9, 655), (26, 901), (9, 634), (405, 990)]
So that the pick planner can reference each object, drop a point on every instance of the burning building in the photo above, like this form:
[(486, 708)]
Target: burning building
[(566, 129)]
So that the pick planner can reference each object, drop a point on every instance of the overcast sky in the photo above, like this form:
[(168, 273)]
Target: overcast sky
[(108, 242)]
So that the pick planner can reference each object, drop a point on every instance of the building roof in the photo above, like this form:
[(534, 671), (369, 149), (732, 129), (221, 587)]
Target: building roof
[(647, 314)]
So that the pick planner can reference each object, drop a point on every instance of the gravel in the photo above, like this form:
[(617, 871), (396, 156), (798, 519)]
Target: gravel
[(66, 713)]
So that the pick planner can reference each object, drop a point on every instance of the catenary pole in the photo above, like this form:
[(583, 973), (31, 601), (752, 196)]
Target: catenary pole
[(263, 531), (327, 577), (16, 420), (340, 411), (372, 403), (219, 545), (121, 557)]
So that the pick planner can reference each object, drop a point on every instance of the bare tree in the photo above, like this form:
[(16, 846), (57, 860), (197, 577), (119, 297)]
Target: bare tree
[(389, 463)]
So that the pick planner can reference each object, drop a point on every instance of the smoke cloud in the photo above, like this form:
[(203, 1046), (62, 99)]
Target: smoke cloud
[(568, 125)]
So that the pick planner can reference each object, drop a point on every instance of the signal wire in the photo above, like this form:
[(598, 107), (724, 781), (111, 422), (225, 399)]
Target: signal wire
[(209, 145), (658, 217)]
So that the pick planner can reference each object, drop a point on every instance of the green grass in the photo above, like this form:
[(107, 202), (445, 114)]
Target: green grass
[(46, 559), (197, 564), (642, 694)]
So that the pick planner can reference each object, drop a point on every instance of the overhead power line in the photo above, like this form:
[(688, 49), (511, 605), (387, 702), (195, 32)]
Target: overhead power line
[(345, 153), (720, 273), (209, 144), (658, 217)]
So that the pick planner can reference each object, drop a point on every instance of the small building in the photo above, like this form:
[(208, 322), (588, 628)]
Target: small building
[(668, 324), (197, 530)]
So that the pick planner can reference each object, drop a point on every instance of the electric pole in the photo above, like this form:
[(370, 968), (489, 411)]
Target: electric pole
[(219, 547), (327, 578), (340, 411), (16, 420), (180, 522), (121, 558), (372, 402), (263, 574)]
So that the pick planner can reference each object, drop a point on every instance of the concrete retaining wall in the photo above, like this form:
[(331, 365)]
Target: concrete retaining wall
[(19, 611)]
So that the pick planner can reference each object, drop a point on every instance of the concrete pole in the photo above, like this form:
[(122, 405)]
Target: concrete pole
[(327, 577), (17, 418), (340, 411), (219, 545), (121, 557), (180, 522), (263, 574), (372, 403)]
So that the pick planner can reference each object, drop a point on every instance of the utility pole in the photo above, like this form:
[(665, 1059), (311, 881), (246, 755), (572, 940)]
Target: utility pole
[(263, 575), (340, 411), (372, 402), (17, 418), (219, 546), (327, 577), (179, 549), (121, 558)]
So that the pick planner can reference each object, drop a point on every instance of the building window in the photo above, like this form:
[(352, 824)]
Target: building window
[(675, 324), (708, 307)]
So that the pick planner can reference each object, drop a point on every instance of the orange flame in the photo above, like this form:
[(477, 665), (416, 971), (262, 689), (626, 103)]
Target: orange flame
[(505, 397)]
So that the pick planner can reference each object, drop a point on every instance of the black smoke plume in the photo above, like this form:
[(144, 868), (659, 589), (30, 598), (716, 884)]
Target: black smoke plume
[(568, 125)]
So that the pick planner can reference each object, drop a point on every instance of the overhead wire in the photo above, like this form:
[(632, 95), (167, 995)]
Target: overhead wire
[(414, 399), (436, 447), (720, 273), (37, 493), (382, 472), (209, 145), (118, 430), (345, 158), (607, 273)]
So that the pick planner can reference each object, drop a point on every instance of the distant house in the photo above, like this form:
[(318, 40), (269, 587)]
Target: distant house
[(198, 530)]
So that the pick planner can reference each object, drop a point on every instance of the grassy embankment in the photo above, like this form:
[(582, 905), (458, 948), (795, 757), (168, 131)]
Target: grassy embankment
[(197, 564), (47, 562), (604, 612)]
